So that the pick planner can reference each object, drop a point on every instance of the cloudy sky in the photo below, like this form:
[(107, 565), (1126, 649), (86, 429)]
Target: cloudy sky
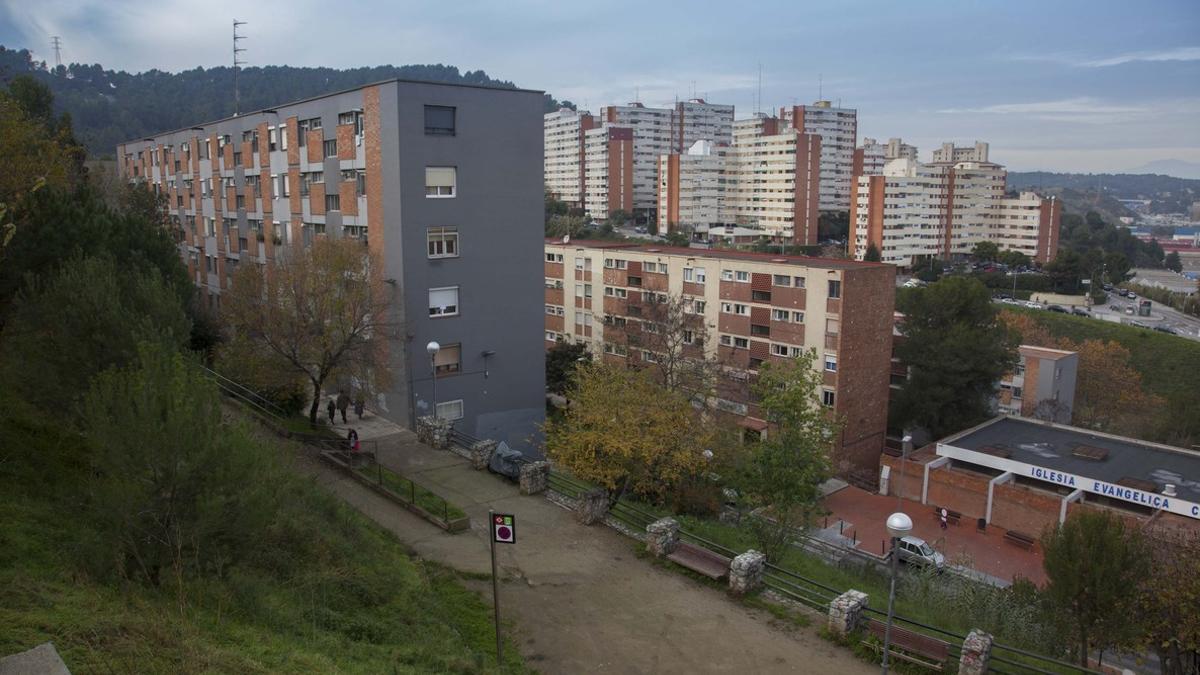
[(1095, 85)]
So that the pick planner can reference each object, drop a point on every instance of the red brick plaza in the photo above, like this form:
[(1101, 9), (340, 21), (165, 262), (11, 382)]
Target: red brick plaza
[(865, 514)]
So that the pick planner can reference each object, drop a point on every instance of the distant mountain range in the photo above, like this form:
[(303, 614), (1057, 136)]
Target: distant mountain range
[(109, 107), (1099, 191), (1177, 168)]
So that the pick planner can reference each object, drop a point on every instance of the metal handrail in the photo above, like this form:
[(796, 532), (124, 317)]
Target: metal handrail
[(1051, 659)]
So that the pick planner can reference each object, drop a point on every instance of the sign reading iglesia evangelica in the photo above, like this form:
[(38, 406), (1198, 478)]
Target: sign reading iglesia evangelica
[(1154, 500)]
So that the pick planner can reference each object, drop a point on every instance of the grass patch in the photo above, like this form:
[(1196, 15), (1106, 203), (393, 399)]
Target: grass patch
[(347, 598), (412, 492)]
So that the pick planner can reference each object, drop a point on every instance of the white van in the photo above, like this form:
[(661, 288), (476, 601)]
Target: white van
[(915, 550)]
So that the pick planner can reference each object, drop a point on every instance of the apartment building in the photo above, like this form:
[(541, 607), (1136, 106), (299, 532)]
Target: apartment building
[(691, 188), (767, 183), (440, 181), (916, 211), (1042, 385), (563, 152), (697, 120), (871, 156), (950, 153), (838, 130), (654, 134), (747, 309), (609, 170)]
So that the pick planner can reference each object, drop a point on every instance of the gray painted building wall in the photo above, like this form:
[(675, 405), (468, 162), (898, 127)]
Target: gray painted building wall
[(497, 150)]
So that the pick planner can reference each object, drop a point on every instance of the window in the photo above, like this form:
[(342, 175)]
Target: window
[(700, 275), (835, 289), (698, 306), (443, 301), (727, 308), (756, 329), (440, 181), (649, 357), (360, 183), (831, 363), (779, 315), (832, 327), (554, 258), (779, 350), (726, 340), (741, 343), (285, 186), (827, 398), (239, 201), (333, 202), (237, 159), (210, 227), (1017, 392), (614, 263), (450, 410), (347, 117), (439, 120), (448, 360), (272, 139), (741, 310), (760, 296), (615, 292), (554, 310), (551, 336), (799, 282), (554, 283), (689, 337), (726, 275), (634, 281), (743, 277), (583, 264), (442, 241), (330, 147), (689, 274), (204, 148), (782, 280), (798, 317), (283, 138)]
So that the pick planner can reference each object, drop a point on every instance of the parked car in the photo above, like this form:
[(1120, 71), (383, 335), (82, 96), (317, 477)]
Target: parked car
[(1056, 308), (1032, 305), (1166, 329), (1079, 311), (1107, 287), (1115, 308), (1138, 324), (1129, 309), (914, 550)]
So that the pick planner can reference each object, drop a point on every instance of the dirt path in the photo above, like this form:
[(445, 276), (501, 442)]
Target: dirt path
[(578, 598)]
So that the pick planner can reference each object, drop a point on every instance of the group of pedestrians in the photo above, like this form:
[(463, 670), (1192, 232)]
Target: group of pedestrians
[(341, 404)]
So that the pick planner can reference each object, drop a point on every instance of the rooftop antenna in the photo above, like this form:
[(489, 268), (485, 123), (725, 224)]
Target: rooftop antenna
[(758, 96), (56, 41), (693, 89), (820, 87), (237, 99)]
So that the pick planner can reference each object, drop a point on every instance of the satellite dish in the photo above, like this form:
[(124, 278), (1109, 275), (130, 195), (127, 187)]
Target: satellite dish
[(566, 238)]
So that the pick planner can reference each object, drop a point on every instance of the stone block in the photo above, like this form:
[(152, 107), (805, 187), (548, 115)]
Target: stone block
[(481, 453), (592, 506), (746, 571), (534, 477), (845, 612), (662, 536), (434, 431), (976, 653)]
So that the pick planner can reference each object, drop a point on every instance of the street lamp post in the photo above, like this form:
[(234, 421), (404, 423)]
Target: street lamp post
[(898, 525), (432, 349)]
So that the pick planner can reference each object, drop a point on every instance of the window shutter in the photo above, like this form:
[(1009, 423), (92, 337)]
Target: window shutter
[(436, 176)]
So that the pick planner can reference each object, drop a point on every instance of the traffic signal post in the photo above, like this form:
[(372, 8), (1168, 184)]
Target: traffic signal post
[(502, 529)]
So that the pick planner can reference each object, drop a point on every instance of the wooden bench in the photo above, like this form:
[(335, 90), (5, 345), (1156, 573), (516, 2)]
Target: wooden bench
[(952, 517), (911, 646), (700, 560), (1019, 539)]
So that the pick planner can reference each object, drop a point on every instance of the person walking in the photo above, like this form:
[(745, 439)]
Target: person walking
[(352, 439), (331, 408), (359, 406), (343, 403), (942, 516)]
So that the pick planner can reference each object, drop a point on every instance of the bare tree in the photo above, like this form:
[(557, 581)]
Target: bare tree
[(667, 335), (319, 311)]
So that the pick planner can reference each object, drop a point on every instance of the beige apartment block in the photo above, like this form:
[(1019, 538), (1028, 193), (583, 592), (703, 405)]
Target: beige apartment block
[(748, 309), (563, 152), (916, 211), (838, 130)]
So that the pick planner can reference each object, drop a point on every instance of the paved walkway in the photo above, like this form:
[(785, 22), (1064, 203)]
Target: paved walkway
[(863, 515), (579, 598)]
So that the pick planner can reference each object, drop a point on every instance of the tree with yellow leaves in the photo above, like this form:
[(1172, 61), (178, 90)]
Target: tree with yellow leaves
[(626, 433)]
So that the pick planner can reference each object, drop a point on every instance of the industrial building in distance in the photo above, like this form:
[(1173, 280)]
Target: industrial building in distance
[(442, 182)]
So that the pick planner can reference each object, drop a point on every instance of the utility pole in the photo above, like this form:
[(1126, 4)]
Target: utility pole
[(236, 64), (56, 41)]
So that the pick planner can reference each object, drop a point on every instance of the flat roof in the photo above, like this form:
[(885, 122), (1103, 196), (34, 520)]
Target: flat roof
[(1045, 352), (720, 254), (1082, 453), (329, 94)]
